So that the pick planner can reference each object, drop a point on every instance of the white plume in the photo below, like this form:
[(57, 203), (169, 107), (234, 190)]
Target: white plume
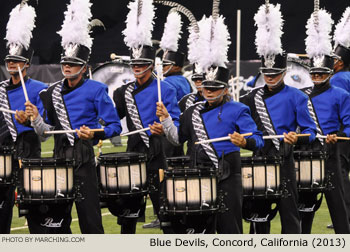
[(342, 30), (75, 27), (318, 40), (172, 31), (269, 32), (213, 42), (139, 28), (21, 25), (194, 50)]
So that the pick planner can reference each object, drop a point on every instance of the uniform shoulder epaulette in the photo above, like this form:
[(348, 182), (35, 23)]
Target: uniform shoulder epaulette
[(4, 82)]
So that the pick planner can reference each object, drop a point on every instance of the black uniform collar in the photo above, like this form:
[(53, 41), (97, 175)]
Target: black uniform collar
[(144, 85), (208, 108), (12, 86), (268, 93), (319, 89), (66, 88)]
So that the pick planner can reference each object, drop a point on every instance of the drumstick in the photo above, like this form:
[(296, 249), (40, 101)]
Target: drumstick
[(23, 84), (282, 136), (135, 132), (161, 175), (23, 87), (69, 131), (7, 111), (339, 138), (158, 67), (90, 74), (221, 139)]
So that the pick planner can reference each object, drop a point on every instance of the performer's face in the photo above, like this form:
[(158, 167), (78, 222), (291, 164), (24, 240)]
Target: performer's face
[(319, 78), (12, 66), (273, 79), (70, 69), (198, 84), (141, 72), (211, 93)]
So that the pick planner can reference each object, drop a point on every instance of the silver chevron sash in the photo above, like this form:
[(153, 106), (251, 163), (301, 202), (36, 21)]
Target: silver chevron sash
[(5, 104), (202, 134), (134, 115), (190, 100), (264, 117), (61, 111), (313, 115)]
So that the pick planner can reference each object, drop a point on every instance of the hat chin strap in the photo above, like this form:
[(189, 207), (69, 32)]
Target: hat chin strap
[(167, 71), (277, 82), (215, 98), (137, 74), (72, 76)]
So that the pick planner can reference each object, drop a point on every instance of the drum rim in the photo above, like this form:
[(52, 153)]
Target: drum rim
[(190, 171), (111, 62), (105, 159), (47, 161)]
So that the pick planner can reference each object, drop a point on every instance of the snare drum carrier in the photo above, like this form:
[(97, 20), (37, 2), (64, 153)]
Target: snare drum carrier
[(261, 181), (189, 190), (6, 165)]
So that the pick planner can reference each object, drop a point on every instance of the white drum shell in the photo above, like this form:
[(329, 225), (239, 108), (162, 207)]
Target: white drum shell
[(5, 166)]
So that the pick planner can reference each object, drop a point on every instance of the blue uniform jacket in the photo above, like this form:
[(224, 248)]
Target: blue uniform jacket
[(220, 121), (180, 84), (341, 80), (16, 99)]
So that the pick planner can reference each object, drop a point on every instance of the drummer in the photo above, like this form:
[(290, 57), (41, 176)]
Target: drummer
[(278, 110), (137, 102), (78, 103), (202, 121), (329, 107), (15, 130)]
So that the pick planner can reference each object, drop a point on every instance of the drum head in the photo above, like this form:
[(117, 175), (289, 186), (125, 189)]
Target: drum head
[(122, 157), (114, 75)]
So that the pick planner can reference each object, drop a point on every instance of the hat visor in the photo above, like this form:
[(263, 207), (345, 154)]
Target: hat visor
[(213, 84), (70, 60), (271, 71), (15, 58), (168, 62), (320, 70), (141, 62)]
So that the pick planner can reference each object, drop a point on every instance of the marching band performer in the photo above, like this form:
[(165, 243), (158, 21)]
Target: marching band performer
[(78, 103), (329, 106), (341, 79), (137, 102), (278, 109), (15, 129), (201, 121)]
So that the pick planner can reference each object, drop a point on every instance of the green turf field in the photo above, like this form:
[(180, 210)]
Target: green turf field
[(322, 218)]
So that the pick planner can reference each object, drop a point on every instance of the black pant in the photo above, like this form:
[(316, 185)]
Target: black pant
[(344, 152), (7, 200)]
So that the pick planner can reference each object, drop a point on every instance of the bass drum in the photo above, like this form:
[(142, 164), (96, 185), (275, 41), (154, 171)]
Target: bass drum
[(114, 74)]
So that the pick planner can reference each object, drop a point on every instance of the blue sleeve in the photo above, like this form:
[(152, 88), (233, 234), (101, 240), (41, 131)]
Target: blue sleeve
[(170, 102), (304, 120), (344, 112), (107, 112), (338, 80), (246, 124)]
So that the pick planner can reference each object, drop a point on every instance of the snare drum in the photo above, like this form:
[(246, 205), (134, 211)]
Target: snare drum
[(123, 174), (261, 177), (190, 191), (310, 170), (47, 179), (6, 158)]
